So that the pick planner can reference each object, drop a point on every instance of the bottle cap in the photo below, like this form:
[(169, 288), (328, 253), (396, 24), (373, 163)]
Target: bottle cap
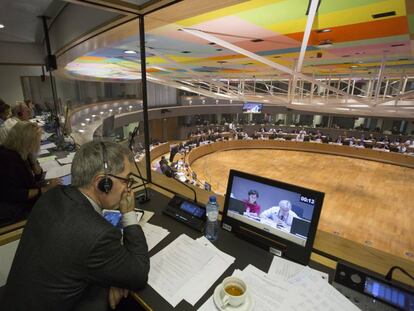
[(212, 199)]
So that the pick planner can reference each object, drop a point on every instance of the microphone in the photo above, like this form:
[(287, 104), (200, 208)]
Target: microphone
[(168, 171), (141, 198), (131, 140)]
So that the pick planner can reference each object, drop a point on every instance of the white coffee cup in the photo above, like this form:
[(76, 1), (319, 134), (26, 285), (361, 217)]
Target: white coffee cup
[(233, 292)]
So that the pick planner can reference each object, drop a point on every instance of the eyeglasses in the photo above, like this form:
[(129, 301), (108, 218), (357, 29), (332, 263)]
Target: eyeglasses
[(128, 181)]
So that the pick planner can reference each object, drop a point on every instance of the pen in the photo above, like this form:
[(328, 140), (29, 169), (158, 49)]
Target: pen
[(139, 210)]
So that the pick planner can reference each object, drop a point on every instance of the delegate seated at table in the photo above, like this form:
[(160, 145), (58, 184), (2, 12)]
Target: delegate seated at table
[(282, 215)]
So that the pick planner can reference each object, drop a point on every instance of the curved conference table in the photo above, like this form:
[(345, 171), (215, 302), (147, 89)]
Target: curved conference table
[(330, 245), (332, 149)]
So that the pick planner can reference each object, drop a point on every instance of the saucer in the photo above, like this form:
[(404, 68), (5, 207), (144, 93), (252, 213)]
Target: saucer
[(246, 306)]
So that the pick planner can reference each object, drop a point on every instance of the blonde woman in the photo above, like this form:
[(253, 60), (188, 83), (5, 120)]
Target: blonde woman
[(21, 176)]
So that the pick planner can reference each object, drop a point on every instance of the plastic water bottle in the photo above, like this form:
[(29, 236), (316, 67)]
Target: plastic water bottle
[(212, 226)]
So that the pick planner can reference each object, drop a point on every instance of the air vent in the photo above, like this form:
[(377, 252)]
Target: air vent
[(219, 50), (257, 40), (186, 52), (397, 45), (221, 62), (346, 55), (276, 56), (385, 14), (403, 59)]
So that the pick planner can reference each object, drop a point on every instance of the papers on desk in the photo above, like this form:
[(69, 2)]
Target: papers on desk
[(297, 288), (47, 146), (186, 269), (46, 159), (58, 171), (46, 135), (153, 234), (49, 164), (43, 152), (68, 159)]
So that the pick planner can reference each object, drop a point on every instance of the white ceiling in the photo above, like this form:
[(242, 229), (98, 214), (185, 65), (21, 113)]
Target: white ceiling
[(137, 2), (20, 18)]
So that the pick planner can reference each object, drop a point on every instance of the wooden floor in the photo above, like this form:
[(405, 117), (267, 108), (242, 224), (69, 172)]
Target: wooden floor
[(367, 202)]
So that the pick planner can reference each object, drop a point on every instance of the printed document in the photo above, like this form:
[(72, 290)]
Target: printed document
[(175, 265)]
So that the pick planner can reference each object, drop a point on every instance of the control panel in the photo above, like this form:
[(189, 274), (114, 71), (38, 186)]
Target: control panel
[(188, 212), (371, 291)]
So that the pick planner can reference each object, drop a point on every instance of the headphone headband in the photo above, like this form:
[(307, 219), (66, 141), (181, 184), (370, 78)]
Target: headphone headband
[(105, 184)]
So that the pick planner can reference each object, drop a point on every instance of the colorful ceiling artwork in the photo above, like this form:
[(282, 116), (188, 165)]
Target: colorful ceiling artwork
[(348, 40)]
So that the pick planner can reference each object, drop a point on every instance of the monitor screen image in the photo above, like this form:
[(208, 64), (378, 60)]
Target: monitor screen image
[(287, 213), (252, 108)]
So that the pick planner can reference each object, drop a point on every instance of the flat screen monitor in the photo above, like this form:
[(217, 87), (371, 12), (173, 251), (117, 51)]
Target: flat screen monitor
[(252, 108), (280, 217)]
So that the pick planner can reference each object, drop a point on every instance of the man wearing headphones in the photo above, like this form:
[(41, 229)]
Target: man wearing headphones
[(69, 256)]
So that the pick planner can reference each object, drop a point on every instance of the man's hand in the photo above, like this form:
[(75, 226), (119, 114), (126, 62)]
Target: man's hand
[(115, 296), (51, 184), (127, 203)]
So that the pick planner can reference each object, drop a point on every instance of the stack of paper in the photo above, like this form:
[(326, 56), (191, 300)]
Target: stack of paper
[(186, 269), (68, 159), (43, 151), (46, 159), (60, 171), (287, 269), (153, 234), (49, 165), (304, 291), (47, 146)]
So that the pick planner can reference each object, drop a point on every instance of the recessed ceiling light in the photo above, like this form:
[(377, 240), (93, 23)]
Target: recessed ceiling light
[(323, 30), (130, 52), (1, 26)]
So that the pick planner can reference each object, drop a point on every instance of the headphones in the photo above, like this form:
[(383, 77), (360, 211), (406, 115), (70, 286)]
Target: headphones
[(105, 184)]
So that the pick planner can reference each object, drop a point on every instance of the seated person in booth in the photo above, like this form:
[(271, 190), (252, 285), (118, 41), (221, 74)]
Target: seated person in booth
[(251, 203), (22, 112), (282, 215), (5, 114), (69, 256), (21, 177)]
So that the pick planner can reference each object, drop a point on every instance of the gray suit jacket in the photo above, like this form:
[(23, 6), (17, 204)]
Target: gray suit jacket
[(69, 256)]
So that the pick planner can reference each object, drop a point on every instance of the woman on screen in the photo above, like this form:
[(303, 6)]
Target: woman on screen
[(251, 203)]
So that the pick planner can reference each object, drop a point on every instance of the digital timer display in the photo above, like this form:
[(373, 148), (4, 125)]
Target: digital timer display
[(307, 200)]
